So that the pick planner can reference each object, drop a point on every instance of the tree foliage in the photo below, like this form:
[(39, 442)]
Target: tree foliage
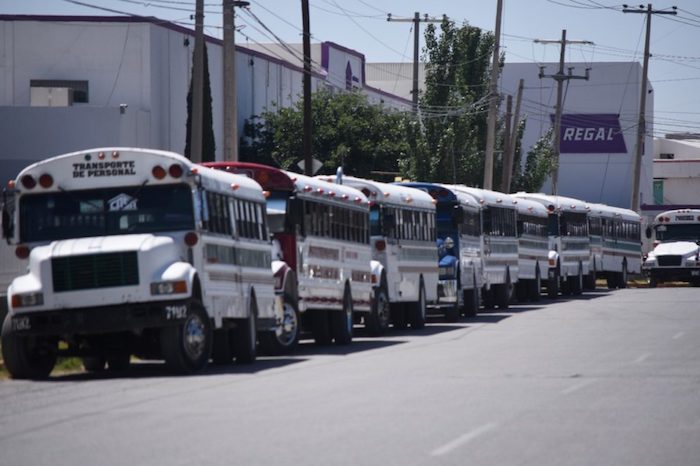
[(455, 103), (538, 165), (347, 131)]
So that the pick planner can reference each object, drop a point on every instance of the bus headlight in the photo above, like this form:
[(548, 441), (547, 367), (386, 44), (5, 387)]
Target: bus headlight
[(166, 288), (27, 299)]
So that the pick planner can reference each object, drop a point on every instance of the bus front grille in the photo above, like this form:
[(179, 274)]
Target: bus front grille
[(669, 261), (95, 271)]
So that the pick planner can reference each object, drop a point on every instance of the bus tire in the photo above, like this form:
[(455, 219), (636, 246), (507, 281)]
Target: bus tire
[(553, 284), (503, 292), (471, 302), (342, 322), (285, 338), (320, 326), (418, 309), (94, 364), (535, 287), (221, 352), (576, 282), (245, 337), (612, 280), (398, 316), (186, 346), (118, 361), (653, 281), (27, 357), (623, 275), (377, 322)]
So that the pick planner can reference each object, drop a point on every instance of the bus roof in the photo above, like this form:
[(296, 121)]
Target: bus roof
[(126, 166), (442, 193), (485, 196), (270, 178), (530, 207), (385, 193), (606, 211), (555, 203), (679, 215)]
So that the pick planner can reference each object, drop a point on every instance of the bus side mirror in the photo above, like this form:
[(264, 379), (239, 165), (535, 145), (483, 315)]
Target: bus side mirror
[(647, 232), (8, 229), (457, 215)]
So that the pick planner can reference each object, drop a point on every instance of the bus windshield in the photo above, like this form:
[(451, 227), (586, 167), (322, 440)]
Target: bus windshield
[(445, 219), (678, 232), (105, 212)]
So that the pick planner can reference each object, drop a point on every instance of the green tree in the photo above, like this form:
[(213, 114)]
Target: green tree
[(454, 105), (208, 141), (538, 164), (348, 131)]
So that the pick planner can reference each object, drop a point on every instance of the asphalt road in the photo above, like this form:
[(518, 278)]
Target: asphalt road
[(609, 378)]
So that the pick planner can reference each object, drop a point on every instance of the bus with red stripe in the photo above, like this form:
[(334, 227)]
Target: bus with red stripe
[(322, 253)]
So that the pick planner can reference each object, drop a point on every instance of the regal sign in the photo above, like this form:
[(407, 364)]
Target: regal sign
[(591, 133)]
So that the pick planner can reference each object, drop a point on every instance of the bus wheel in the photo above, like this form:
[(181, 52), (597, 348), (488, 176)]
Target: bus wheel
[(221, 352), (245, 337), (377, 322), (418, 309), (653, 281), (285, 337), (186, 346), (398, 316), (623, 276), (535, 287), (502, 292), (118, 361), (612, 280), (553, 283), (341, 322), (576, 282), (94, 363), (27, 357), (320, 326), (471, 302)]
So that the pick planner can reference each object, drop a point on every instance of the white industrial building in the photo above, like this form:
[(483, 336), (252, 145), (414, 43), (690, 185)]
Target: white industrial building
[(71, 83)]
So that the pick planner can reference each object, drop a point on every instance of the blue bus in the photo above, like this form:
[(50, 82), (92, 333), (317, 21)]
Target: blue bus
[(458, 223)]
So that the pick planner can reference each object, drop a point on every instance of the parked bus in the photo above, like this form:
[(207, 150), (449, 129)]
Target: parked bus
[(402, 235), (569, 243), (533, 249), (676, 253), (499, 243), (321, 234), (616, 245), (460, 261), (135, 251)]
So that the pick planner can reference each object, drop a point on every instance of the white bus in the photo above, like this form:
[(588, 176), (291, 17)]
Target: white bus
[(402, 235), (321, 233), (616, 245), (676, 253), (460, 257), (135, 251), (499, 243), (533, 249), (569, 243)]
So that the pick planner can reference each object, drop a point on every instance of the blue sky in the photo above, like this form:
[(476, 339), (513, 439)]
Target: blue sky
[(361, 25)]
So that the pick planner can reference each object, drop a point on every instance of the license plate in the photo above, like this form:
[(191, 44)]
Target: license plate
[(695, 273)]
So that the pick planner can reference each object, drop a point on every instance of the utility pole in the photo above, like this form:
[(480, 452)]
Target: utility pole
[(416, 20), (560, 77), (641, 126), (513, 137), (506, 145), (229, 80), (197, 85), (493, 102), (308, 158)]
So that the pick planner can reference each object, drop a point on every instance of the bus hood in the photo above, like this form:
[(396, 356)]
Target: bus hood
[(676, 248), (106, 244)]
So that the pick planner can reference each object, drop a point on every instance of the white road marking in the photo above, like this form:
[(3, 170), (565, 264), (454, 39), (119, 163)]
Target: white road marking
[(578, 386), (642, 358), (678, 335), (461, 440)]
